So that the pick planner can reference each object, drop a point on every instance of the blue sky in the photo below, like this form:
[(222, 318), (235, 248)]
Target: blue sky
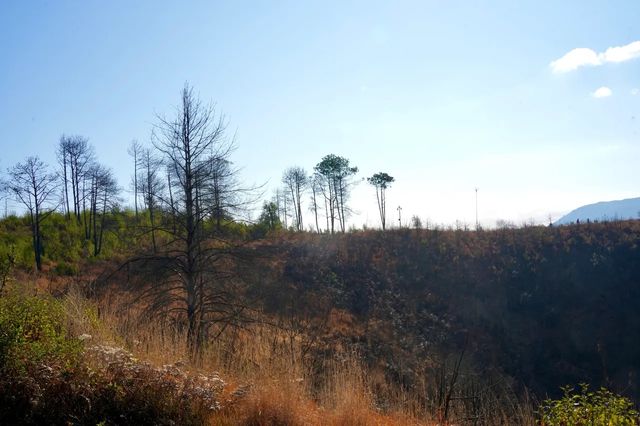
[(444, 95)]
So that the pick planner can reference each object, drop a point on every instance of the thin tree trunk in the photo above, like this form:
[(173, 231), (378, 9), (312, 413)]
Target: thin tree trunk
[(102, 220), (87, 231), (300, 225), (35, 237), (94, 215), (153, 228), (135, 181), (66, 184), (173, 209), (315, 208)]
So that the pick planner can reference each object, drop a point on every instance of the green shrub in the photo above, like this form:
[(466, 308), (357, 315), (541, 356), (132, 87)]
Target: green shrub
[(600, 408), (45, 378), (33, 332), (62, 238)]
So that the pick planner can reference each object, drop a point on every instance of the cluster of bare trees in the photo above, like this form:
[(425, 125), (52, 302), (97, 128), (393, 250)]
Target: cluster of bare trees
[(34, 186), (93, 188), (82, 188), (103, 198), (75, 157), (187, 176), (188, 190), (330, 186), (333, 174), (150, 185), (295, 182)]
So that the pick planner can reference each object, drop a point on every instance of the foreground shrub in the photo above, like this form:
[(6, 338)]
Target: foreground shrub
[(33, 332), (47, 378), (141, 393), (600, 408), (37, 359)]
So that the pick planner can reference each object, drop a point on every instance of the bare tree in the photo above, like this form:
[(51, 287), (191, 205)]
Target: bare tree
[(316, 190), (221, 189), (151, 186), (62, 153), (381, 182), (285, 202), (172, 206), (296, 181), (323, 181), (33, 186), (79, 157), (194, 285), (278, 202), (134, 150), (103, 196)]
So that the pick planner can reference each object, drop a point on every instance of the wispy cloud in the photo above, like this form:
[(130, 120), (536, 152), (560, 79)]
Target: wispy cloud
[(602, 92), (635, 92), (583, 56)]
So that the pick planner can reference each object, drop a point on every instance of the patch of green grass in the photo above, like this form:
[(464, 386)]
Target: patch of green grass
[(584, 407)]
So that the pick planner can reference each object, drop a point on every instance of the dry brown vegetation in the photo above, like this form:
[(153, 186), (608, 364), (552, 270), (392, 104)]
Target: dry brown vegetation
[(133, 372), (401, 327), (268, 378)]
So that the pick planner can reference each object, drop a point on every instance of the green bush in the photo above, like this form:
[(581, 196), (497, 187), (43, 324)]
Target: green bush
[(62, 238), (600, 408), (33, 332)]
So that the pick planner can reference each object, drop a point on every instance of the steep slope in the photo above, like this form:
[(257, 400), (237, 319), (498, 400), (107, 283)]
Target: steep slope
[(545, 306)]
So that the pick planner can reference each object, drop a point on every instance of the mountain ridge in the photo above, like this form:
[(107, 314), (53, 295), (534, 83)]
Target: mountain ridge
[(628, 208)]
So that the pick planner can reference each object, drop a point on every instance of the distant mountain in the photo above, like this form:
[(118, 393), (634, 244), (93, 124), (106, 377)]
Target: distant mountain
[(604, 210)]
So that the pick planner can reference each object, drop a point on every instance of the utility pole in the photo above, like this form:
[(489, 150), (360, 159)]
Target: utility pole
[(476, 208), (399, 217)]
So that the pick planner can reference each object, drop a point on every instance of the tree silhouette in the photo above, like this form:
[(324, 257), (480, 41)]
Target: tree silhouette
[(135, 150), (381, 182), (296, 182), (33, 186), (103, 197), (193, 281), (335, 172), (152, 187)]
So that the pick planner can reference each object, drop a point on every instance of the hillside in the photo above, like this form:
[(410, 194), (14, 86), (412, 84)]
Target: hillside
[(544, 306), (424, 324), (605, 210)]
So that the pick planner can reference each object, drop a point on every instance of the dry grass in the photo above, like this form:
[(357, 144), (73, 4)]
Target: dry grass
[(268, 378)]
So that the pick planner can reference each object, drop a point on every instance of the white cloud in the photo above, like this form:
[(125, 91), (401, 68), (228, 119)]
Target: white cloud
[(583, 56), (622, 53), (602, 92), (574, 59), (635, 92)]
